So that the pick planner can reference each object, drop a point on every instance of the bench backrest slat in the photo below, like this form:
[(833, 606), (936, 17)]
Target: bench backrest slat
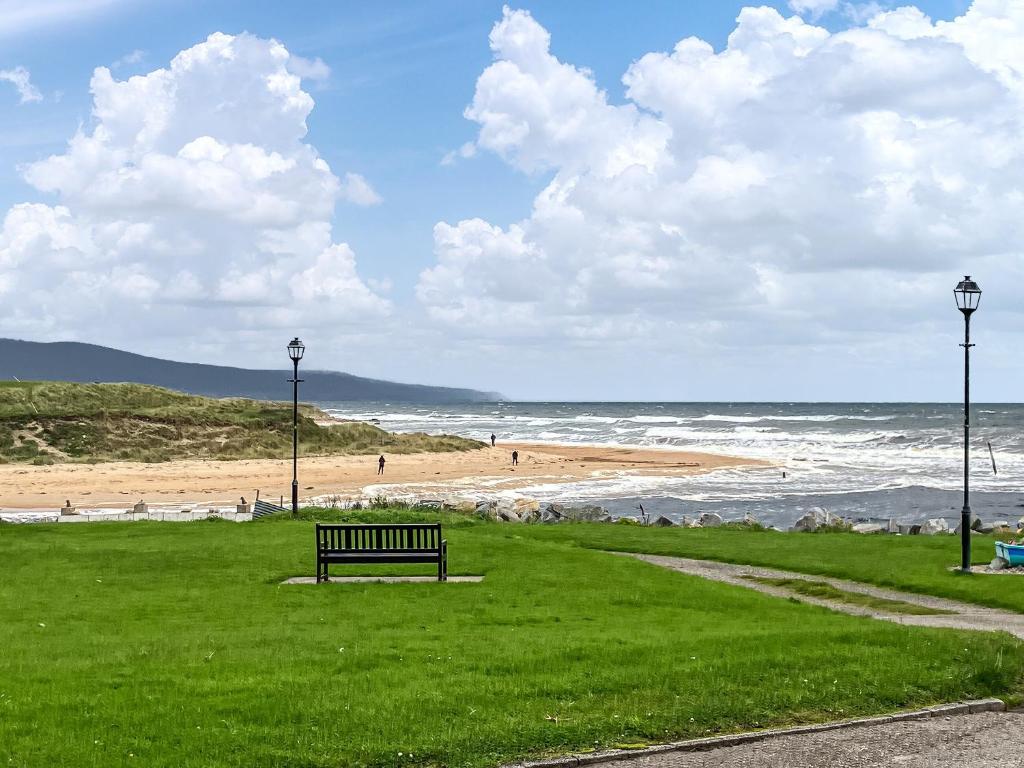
[(378, 537)]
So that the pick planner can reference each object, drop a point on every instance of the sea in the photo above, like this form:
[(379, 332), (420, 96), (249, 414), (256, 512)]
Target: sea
[(901, 461)]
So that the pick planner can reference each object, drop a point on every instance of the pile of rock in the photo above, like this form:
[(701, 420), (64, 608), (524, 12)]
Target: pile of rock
[(996, 526), (524, 509), (819, 519)]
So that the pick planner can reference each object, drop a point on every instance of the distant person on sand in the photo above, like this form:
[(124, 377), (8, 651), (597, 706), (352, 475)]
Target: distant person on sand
[(493, 438), (515, 458), (380, 465)]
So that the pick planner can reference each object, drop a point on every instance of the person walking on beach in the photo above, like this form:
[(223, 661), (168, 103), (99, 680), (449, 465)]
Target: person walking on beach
[(493, 438), (515, 458), (380, 465)]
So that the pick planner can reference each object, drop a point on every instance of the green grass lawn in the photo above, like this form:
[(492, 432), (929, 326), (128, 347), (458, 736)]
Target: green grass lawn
[(912, 563), (163, 644), (824, 591)]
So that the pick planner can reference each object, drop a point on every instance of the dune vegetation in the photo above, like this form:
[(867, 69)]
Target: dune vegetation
[(47, 422)]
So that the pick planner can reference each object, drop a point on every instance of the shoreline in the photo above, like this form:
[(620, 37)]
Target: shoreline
[(487, 470)]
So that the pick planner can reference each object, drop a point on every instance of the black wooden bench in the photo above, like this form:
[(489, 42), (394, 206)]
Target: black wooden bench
[(380, 543)]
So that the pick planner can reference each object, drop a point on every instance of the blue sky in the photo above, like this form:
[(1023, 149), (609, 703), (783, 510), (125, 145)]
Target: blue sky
[(401, 76)]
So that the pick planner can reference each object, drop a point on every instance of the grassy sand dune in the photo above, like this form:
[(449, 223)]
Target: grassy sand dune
[(47, 422)]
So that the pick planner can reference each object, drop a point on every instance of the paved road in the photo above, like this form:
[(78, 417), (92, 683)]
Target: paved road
[(964, 616), (987, 740)]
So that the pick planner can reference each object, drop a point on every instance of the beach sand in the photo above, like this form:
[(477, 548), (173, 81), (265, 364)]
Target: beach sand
[(121, 484)]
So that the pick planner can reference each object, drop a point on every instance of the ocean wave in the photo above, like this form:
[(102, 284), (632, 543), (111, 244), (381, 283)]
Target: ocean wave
[(824, 417)]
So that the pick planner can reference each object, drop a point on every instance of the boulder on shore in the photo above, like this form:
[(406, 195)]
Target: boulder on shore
[(870, 528), (588, 513), (750, 521), (934, 526), (817, 519), (521, 509), (464, 506), (910, 530), (977, 525), (710, 520), (488, 510), (664, 522)]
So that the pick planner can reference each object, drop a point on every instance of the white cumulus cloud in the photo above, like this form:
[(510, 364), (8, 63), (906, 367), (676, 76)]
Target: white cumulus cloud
[(191, 201), (787, 187), (813, 8), (357, 190), (309, 69)]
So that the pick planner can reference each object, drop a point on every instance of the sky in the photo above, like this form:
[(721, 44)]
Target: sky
[(663, 200)]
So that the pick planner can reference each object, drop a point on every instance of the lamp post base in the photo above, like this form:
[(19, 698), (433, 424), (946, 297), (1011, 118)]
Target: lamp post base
[(295, 499), (965, 540)]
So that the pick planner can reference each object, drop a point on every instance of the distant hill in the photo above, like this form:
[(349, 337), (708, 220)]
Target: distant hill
[(77, 362)]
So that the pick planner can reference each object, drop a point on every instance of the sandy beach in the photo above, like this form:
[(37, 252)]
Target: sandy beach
[(117, 484)]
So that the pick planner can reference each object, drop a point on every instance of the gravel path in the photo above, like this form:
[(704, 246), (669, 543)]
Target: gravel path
[(986, 740), (965, 616)]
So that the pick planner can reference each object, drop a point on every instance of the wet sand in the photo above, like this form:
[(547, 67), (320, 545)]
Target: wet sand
[(116, 484)]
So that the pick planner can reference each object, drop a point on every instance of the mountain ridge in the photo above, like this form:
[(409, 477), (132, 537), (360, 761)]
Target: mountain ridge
[(82, 362)]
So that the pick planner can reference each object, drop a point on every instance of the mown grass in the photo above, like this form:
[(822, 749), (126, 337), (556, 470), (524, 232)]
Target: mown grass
[(912, 563), (163, 644), (825, 591), (47, 422)]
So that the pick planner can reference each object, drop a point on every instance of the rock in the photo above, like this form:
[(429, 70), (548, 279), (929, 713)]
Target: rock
[(977, 525), (710, 520), (663, 522), (579, 512), (998, 564), (428, 504), (550, 515), (750, 521), (140, 508), (243, 509), (488, 510), (806, 524), (818, 518), (67, 509), (1001, 526), (462, 506), (909, 530), (1020, 524), (528, 509), (518, 510), (870, 528), (934, 526)]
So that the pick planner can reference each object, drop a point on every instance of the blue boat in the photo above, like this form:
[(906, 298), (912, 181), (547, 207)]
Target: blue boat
[(1011, 553)]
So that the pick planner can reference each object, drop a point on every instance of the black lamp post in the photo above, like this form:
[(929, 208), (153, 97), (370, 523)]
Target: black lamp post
[(295, 351), (968, 296)]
